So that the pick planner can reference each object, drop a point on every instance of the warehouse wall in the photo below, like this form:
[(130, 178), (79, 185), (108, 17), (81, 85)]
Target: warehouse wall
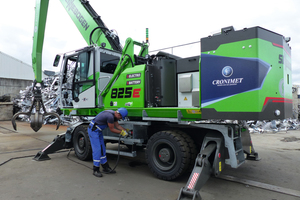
[(12, 87), (15, 75)]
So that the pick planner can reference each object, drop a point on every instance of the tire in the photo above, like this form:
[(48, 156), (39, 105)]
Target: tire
[(193, 150), (81, 143), (168, 155)]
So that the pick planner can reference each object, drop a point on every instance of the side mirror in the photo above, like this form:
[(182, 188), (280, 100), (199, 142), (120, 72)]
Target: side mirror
[(56, 61)]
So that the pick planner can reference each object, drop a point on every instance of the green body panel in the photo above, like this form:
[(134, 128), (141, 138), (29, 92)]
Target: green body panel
[(82, 111), (127, 60), (128, 90), (271, 88), (41, 10), (235, 49), (185, 114)]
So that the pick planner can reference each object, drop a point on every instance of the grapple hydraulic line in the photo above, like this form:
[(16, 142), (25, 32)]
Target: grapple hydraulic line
[(37, 117)]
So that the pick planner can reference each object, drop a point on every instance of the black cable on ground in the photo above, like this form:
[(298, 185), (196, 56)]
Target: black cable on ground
[(117, 162), (76, 161), (14, 158), (20, 157), (17, 151)]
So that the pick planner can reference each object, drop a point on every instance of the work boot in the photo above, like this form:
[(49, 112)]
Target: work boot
[(96, 171), (107, 169)]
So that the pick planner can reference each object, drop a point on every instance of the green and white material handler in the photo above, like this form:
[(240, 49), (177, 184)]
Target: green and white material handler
[(239, 75)]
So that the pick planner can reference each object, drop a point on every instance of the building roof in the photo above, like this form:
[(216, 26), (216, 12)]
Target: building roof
[(14, 69)]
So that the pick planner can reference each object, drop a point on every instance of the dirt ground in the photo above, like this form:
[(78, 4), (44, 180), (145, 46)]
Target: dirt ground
[(66, 177)]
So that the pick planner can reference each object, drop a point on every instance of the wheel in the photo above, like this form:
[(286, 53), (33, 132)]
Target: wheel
[(81, 143), (193, 150), (168, 154)]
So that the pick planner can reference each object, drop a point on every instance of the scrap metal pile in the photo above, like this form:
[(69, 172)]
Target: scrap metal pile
[(273, 126), (50, 95), (51, 99)]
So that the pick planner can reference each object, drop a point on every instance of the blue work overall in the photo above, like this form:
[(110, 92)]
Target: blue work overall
[(97, 142)]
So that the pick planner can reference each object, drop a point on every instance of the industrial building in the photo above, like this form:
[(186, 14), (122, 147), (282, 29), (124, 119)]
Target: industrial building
[(15, 75)]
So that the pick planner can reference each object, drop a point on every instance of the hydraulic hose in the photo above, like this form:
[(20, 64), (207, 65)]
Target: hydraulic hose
[(91, 34), (118, 158), (117, 162)]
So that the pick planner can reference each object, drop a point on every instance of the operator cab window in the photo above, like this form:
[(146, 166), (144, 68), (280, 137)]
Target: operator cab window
[(108, 63)]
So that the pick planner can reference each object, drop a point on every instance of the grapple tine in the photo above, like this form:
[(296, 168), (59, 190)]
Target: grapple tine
[(57, 116), (37, 117), (36, 121), (13, 119)]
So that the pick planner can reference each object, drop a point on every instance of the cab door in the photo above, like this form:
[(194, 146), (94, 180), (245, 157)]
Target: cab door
[(83, 90)]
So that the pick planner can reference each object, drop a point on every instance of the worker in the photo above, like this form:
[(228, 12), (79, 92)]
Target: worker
[(107, 118)]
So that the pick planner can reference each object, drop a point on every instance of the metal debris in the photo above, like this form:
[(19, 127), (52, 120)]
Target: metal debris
[(50, 95), (266, 126), (273, 126)]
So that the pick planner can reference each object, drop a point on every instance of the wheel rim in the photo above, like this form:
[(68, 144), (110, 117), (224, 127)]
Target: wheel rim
[(81, 144), (164, 156)]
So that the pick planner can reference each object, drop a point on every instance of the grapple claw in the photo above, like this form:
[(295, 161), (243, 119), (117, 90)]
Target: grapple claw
[(36, 121), (57, 116), (37, 117), (13, 119)]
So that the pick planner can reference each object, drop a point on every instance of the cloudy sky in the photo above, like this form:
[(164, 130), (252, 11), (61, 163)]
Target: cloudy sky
[(170, 23)]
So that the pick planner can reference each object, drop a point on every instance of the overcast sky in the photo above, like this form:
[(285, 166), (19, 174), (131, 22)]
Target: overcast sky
[(170, 23)]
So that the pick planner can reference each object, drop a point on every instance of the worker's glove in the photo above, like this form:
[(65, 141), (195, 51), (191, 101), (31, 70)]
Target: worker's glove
[(124, 133), (127, 130)]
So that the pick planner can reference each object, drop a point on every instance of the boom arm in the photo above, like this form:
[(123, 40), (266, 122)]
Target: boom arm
[(38, 37), (91, 28), (88, 22), (90, 25)]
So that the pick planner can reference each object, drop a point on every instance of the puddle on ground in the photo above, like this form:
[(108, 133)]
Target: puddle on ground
[(290, 139)]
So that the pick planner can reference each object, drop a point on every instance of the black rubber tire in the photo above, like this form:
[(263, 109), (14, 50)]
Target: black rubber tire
[(81, 143), (193, 150), (168, 155)]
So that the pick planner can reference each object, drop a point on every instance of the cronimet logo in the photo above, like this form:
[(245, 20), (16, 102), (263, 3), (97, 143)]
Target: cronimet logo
[(227, 71)]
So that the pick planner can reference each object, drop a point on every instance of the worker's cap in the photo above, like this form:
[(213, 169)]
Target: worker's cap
[(123, 112)]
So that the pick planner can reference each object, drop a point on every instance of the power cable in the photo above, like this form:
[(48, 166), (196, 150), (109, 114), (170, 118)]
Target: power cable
[(20, 157), (76, 161), (117, 162), (15, 159)]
